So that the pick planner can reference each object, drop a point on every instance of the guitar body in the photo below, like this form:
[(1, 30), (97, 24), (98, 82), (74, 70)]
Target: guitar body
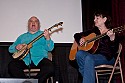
[(91, 47), (21, 53)]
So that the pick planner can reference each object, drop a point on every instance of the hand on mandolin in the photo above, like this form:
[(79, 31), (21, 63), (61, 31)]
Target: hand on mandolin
[(20, 46), (46, 34)]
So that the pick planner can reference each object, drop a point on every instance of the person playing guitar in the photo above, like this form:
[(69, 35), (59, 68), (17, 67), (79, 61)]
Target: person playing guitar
[(96, 46), (37, 54)]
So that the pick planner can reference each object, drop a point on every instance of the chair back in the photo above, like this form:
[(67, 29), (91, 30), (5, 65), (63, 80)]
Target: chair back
[(109, 69)]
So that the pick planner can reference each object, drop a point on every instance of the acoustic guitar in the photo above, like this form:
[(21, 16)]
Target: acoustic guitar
[(25, 49), (91, 43)]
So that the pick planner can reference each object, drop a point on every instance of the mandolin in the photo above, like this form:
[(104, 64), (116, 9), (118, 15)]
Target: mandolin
[(26, 48), (91, 42)]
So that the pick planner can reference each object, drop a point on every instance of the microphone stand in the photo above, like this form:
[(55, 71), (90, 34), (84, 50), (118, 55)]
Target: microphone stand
[(29, 64)]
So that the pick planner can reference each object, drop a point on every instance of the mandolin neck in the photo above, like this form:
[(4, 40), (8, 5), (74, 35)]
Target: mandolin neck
[(41, 35), (38, 37)]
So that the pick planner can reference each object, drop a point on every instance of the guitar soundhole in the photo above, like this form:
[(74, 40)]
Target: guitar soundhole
[(23, 54)]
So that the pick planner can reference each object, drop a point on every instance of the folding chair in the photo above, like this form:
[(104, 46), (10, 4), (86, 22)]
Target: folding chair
[(109, 69)]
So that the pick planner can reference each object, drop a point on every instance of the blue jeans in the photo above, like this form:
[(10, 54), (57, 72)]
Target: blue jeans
[(87, 63)]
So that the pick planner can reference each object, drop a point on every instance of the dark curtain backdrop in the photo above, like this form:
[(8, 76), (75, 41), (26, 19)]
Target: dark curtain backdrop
[(4, 60), (118, 16), (88, 9)]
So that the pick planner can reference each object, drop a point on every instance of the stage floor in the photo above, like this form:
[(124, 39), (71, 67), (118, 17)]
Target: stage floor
[(13, 80)]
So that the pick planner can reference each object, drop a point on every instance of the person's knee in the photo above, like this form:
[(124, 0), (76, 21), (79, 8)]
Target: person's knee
[(80, 53), (51, 69), (89, 59), (10, 65)]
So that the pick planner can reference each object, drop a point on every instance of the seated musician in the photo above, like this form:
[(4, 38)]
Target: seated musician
[(106, 47), (37, 57)]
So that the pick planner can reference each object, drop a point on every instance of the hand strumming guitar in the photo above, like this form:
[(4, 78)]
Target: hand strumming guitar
[(20, 46), (82, 40)]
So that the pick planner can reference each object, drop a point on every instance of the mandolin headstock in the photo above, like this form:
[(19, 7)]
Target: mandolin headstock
[(56, 25)]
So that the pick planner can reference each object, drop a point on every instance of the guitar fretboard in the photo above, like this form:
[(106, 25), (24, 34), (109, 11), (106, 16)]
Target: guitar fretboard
[(118, 29), (41, 35), (96, 38)]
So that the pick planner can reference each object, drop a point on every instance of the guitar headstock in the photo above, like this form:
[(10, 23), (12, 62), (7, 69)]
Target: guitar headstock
[(56, 25), (119, 29)]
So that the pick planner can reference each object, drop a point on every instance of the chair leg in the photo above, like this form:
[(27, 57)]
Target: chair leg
[(117, 61), (97, 80), (51, 78), (121, 71)]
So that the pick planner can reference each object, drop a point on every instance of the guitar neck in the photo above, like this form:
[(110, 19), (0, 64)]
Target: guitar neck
[(115, 30), (41, 35), (38, 37), (96, 38)]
